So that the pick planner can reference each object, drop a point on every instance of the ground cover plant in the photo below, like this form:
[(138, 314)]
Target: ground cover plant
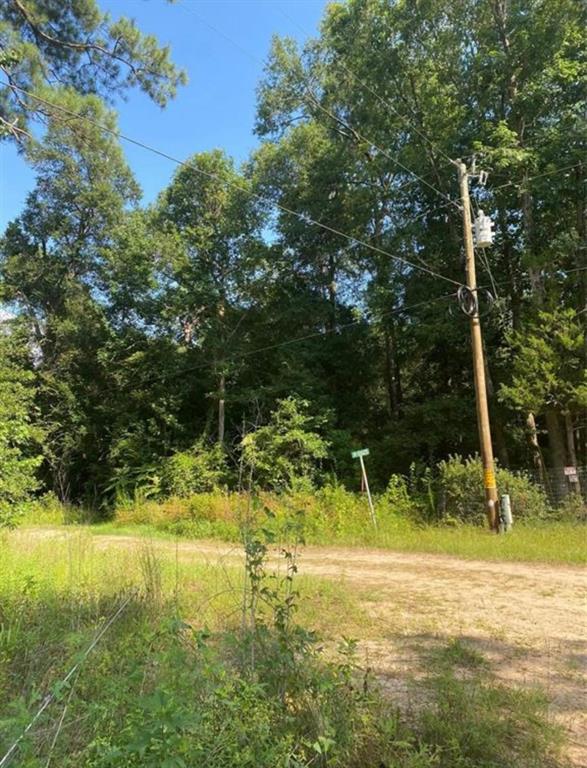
[(440, 513), (222, 665)]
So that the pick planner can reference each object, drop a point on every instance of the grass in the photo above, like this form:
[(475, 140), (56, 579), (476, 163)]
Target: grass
[(466, 721), (209, 592), (540, 542), (335, 518), (177, 682), (552, 542)]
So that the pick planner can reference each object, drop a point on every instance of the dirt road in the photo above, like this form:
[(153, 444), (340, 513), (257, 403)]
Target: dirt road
[(529, 619)]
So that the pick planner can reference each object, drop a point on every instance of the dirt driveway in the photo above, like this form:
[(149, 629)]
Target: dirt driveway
[(529, 619)]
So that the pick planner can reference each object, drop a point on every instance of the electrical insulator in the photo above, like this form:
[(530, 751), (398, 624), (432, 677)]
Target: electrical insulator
[(483, 228)]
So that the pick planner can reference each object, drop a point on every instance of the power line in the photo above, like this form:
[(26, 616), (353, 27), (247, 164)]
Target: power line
[(301, 216), (50, 697), (336, 118), (297, 339), (377, 95), (395, 160), (538, 176)]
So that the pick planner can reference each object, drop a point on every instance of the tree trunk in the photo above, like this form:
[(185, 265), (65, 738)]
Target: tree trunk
[(392, 373), (537, 458), (501, 447), (571, 452), (497, 429), (332, 288), (221, 396), (222, 377)]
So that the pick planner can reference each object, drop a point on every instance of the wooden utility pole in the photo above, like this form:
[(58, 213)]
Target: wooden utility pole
[(491, 498)]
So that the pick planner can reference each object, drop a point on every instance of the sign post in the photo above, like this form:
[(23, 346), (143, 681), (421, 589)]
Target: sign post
[(359, 455)]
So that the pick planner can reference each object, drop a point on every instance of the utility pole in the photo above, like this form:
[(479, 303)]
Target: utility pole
[(491, 498)]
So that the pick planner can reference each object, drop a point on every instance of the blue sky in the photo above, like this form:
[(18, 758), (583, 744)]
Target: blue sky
[(216, 108)]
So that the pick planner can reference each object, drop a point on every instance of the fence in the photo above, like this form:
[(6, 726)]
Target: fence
[(557, 486)]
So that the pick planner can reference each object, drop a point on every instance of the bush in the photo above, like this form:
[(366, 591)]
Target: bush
[(196, 470), (285, 453), (572, 509), (459, 489), (398, 500)]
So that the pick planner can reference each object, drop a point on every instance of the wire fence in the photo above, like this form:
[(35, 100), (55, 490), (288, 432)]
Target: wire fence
[(558, 486)]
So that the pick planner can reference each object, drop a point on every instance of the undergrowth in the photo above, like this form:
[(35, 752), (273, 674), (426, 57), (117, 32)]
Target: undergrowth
[(348, 524), (223, 667)]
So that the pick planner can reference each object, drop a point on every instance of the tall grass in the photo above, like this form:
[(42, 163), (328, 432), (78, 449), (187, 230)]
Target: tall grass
[(167, 685), (337, 517)]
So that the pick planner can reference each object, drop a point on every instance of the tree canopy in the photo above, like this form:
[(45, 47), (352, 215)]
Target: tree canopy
[(49, 49), (322, 271)]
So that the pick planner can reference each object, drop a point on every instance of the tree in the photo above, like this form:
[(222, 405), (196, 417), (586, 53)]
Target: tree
[(52, 272), (51, 49), (20, 440), (549, 378), (286, 450), (401, 89), (218, 227)]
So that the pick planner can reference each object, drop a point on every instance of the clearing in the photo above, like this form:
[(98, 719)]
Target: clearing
[(529, 620)]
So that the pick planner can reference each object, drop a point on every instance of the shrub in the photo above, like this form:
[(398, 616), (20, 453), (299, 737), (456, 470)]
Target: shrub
[(398, 500), (286, 451), (572, 509), (528, 499), (459, 487), (196, 470)]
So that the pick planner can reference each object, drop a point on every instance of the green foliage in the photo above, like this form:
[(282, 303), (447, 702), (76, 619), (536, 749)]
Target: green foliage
[(197, 470), (548, 361), (50, 50), (287, 450), (20, 440), (158, 690), (397, 498), (461, 497), (154, 326), (332, 515)]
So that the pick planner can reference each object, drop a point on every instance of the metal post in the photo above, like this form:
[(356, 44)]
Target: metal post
[(364, 471)]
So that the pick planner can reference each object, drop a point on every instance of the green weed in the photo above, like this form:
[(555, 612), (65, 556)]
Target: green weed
[(217, 666)]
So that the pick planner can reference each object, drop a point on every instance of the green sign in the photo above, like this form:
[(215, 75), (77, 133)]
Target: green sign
[(358, 454)]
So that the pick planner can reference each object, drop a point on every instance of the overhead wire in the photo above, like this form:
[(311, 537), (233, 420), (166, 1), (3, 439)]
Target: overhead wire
[(208, 174), (316, 102), (297, 339), (378, 96), (51, 696), (538, 176)]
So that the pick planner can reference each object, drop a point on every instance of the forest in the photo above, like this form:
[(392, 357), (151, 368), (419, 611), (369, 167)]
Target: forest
[(311, 291), (190, 570)]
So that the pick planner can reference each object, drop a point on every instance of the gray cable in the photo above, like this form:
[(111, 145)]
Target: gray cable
[(209, 175), (50, 697)]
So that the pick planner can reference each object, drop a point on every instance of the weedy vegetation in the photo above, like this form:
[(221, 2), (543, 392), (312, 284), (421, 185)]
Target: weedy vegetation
[(225, 666)]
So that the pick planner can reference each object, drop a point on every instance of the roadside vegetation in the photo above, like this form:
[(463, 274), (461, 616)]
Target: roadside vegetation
[(249, 667), (439, 511), (203, 365)]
